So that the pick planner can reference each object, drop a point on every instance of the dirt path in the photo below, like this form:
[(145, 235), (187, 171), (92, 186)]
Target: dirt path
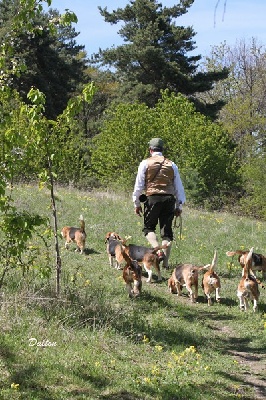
[(253, 366), (254, 371)]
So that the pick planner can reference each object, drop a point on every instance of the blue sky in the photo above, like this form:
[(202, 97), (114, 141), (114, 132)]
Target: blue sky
[(241, 19)]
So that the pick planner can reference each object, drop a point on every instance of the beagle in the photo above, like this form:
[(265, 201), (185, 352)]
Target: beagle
[(248, 286), (211, 282), (114, 249), (75, 235), (257, 263), (148, 256), (132, 275), (185, 275)]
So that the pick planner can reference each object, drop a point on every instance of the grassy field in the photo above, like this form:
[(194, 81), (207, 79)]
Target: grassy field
[(93, 342)]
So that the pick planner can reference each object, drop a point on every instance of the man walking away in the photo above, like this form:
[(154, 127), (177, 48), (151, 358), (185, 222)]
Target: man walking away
[(159, 178)]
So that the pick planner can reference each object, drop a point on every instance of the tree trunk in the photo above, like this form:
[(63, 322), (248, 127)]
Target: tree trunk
[(58, 257)]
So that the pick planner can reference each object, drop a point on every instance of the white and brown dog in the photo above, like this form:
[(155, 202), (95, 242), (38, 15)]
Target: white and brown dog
[(75, 235), (150, 257), (248, 286), (258, 261), (186, 275), (132, 275), (114, 249), (211, 282)]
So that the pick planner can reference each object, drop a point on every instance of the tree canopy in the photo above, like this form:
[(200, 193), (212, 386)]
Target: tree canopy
[(244, 114), (154, 56), (201, 149), (52, 61)]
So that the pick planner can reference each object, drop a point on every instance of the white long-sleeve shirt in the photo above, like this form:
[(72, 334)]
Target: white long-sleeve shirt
[(140, 183)]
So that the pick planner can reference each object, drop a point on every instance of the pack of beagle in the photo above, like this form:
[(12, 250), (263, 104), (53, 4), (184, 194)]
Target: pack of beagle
[(130, 258)]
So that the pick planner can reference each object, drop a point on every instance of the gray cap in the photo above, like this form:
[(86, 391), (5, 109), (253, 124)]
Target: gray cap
[(156, 143)]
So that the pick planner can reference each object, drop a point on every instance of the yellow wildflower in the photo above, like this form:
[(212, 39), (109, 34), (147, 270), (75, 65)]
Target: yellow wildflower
[(15, 386), (176, 357), (155, 371), (190, 349), (145, 339)]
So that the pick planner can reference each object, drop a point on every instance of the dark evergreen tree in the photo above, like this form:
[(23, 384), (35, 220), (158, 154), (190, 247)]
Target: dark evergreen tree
[(54, 63), (93, 114), (154, 56)]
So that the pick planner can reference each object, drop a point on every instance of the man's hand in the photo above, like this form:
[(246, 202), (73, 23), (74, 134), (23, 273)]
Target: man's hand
[(138, 211), (178, 212)]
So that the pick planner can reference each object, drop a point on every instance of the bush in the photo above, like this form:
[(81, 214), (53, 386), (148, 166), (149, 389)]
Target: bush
[(203, 152)]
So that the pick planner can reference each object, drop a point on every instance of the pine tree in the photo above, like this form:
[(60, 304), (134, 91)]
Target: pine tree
[(154, 56)]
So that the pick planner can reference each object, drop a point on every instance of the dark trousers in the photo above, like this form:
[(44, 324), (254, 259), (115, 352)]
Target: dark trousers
[(159, 208)]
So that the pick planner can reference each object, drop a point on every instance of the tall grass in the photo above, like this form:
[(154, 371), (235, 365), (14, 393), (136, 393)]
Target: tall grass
[(93, 342)]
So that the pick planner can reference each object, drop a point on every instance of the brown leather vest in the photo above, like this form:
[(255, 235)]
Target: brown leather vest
[(159, 176)]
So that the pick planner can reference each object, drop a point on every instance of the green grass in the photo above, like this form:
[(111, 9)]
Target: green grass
[(107, 346)]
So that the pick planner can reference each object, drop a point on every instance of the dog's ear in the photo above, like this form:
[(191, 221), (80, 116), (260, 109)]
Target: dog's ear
[(107, 236)]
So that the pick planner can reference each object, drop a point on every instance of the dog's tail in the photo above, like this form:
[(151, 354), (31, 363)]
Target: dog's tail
[(236, 252), (247, 266), (82, 223), (155, 249), (214, 262), (207, 266), (125, 240)]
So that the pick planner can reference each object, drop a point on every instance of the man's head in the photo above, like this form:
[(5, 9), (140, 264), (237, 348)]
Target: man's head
[(156, 144)]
